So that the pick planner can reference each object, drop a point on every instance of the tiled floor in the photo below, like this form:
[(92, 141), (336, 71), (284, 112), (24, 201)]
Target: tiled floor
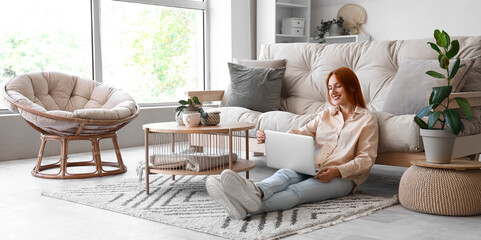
[(25, 214)]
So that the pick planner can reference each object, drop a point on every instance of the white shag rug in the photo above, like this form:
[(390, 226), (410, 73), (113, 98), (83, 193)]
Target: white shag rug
[(185, 203)]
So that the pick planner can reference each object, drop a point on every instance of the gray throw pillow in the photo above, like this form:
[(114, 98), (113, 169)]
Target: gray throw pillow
[(258, 89), (410, 89), (276, 63)]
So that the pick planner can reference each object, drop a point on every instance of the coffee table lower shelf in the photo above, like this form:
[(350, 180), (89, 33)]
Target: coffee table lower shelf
[(241, 165)]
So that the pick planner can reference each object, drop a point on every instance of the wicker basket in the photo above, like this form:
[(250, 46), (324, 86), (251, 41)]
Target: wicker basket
[(212, 119)]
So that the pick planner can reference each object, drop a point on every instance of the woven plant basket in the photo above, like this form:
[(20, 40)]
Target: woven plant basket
[(441, 191), (212, 119)]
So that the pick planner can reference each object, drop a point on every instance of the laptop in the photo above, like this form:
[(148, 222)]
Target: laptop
[(285, 150)]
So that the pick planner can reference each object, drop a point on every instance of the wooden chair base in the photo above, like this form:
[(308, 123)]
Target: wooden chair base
[(62, 164)]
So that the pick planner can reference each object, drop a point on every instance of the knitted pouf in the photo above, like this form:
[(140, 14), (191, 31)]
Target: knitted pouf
[(441, 191)]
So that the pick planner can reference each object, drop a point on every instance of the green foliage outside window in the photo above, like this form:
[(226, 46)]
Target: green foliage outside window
[(163, 49)]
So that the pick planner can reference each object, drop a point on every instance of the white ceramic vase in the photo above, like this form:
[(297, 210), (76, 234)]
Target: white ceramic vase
[(191, 119), (178, 117)]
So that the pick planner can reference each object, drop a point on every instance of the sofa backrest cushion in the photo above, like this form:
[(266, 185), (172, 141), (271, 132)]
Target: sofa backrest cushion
[(409, 91), (375, 63)]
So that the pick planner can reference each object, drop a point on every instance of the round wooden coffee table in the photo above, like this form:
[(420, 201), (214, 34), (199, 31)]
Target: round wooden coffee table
[(442, 189), (202, 150)]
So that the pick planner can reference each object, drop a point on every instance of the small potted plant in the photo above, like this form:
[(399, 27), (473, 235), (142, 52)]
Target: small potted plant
[(439, 142), (323, 28), (189, 105), (334, 27)]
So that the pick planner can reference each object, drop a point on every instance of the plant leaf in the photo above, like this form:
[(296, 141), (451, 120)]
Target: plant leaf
[(465, 107), (179, 109), (444, 63), (453, 120), (431, 98), (435, 47), (189, 101), (424, 111), (420, 122), (446, 38), (453, 50), (196, 100), (183, 102), (435, 74), (441, 93), (433, 118), (454, 69), (440, 40)]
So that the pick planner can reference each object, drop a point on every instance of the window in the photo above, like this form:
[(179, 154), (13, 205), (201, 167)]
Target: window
[(153, 49), (48, 35)]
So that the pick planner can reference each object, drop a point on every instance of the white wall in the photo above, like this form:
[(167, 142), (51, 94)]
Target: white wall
[(407, 19), (232, 35), (18, 140)]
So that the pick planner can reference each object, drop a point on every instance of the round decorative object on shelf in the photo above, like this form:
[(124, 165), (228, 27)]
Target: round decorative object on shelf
[(354, 16)]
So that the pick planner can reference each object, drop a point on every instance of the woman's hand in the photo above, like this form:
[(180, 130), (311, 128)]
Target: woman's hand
[(261, 136), (326, 174)]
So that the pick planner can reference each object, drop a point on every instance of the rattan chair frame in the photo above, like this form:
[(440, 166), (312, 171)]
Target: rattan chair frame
[(100, 129)]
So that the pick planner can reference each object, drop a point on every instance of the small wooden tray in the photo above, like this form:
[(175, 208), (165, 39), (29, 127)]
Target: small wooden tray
[(455, 164)]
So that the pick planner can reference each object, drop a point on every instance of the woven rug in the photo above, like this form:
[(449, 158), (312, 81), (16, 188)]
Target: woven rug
[(185, 203)]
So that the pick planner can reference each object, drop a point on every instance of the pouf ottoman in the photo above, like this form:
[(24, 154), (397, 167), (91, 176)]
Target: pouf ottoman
[(443, 189)]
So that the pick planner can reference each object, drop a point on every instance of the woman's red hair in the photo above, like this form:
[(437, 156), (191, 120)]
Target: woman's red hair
[(349, 81)]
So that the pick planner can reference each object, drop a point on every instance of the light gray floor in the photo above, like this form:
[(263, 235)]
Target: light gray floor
[(25, 214)]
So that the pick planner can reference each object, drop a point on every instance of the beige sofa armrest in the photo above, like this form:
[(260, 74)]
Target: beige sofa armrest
[(213, 95), (474, 98)]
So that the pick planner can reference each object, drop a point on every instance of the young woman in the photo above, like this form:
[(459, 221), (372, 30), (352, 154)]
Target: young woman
[(347, 134)]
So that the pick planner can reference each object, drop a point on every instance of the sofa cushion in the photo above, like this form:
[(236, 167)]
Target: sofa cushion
[(473, 77), (258, 89), (396, 133), (411, 80), (374, 62)]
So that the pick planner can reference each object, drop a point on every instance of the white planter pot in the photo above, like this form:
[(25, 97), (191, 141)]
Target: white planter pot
[(438, 145), (178, 118)]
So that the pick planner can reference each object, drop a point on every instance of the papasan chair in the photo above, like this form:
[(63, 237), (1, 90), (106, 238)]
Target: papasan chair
[(66, 108)]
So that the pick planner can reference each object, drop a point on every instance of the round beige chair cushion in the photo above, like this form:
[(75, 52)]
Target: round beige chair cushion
[(441, 191), (68, 96)]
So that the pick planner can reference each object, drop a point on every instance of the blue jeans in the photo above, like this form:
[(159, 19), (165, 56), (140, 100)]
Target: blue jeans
[(287, 189)]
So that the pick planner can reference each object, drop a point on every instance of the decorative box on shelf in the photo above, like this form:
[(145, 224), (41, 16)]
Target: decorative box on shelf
[(293, 26)]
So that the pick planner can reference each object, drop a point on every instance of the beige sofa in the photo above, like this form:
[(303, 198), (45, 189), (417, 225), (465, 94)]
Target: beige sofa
[(376, 63)]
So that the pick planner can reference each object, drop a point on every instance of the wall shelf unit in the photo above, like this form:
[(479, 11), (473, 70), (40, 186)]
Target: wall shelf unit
[(343, 39), (291, 5), (269, 20), (269, 23)]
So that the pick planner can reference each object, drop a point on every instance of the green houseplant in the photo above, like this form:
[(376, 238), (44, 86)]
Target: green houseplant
[(326, 26), (189, 105), (438, 109)]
